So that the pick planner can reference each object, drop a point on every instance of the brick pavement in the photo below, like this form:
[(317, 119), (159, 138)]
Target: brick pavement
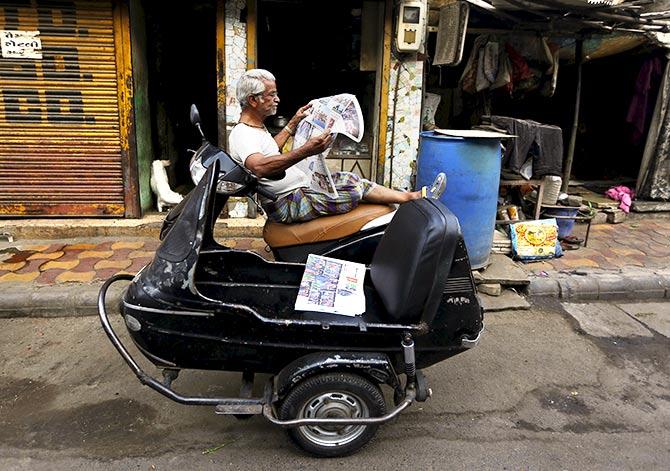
[(639, 243), (56, 263)]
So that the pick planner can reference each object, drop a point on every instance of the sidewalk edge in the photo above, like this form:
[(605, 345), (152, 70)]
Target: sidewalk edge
[(66, 300), (80, 299), (589, 285)]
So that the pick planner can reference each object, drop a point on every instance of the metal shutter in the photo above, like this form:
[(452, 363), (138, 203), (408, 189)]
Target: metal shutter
[(61, 137)]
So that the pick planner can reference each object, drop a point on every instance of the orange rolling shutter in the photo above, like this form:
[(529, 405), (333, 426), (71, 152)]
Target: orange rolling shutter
[(63, 123)]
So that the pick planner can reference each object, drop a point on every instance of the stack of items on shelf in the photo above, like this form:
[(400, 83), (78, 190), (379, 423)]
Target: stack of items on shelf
[(501, 243)]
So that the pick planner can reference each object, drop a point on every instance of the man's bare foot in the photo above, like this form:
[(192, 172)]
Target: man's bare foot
[(382, 195), (413, 195)]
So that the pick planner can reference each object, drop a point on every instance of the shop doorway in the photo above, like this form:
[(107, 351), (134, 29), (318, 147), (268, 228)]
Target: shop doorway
[(317, 50), (181, 56)]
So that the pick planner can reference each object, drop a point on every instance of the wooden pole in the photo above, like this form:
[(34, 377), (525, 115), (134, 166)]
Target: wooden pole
[(567, 167)]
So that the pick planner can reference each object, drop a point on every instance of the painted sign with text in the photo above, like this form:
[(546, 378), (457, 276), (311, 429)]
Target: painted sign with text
[(21, 44)]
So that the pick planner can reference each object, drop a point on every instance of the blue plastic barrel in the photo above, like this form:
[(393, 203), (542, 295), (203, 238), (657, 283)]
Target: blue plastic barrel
[(472, 166)]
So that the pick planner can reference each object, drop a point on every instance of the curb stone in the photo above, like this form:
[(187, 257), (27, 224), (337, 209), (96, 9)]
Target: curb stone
[(548, 287), (66, 300), (593, 284), (148, 227), (81, 299)]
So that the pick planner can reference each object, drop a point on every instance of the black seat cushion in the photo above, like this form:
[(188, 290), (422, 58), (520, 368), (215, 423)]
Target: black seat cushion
[(411, 264)]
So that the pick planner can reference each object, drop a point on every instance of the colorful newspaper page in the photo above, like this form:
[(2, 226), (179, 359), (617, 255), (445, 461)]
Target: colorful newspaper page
[(341, 114), (332, 285)]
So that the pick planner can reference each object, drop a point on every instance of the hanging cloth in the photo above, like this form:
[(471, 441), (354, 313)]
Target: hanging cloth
[(653, 181), (641, 104)]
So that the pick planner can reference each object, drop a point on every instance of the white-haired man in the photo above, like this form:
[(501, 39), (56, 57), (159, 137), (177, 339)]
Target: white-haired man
[(252, 145)]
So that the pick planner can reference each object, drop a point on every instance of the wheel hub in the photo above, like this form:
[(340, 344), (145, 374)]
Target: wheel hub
[(333, 405)]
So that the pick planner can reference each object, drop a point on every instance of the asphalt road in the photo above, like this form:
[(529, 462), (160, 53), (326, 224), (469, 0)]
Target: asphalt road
[(557, 387)]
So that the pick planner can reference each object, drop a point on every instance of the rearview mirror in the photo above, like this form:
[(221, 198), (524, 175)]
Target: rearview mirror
[(195, 120), (195, 115)]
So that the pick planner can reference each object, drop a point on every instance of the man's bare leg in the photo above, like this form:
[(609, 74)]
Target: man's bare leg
[(382, 195)]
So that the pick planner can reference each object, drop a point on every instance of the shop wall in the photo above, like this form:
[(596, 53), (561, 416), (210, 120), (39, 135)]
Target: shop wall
[(403, 120), (236, 57), (144, 151), (403, 117)]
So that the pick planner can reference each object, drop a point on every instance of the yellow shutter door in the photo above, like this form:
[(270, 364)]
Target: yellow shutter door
[(63, 144)]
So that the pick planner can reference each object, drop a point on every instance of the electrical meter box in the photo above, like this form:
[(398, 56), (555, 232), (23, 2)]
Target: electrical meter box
[(411, 26)]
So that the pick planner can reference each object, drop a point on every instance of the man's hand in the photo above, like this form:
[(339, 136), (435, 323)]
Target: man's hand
[(299, 116), (267, 166), (317, 144)]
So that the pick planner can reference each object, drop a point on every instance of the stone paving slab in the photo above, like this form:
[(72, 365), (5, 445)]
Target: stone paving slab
[(606, 320), (508, 299), (502, 270), (656, 316), (63, 278), (72, 262)]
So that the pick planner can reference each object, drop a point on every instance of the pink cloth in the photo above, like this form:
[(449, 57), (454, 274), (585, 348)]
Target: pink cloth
[(623, 194)]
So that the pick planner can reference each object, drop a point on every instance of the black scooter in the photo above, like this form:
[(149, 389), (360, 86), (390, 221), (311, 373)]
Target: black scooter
[(200, 305)]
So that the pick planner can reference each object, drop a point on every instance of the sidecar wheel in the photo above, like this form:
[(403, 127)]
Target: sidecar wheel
[(333, 395)]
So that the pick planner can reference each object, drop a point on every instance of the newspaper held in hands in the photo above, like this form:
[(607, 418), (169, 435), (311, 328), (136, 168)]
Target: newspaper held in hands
[(332, 285), (341, 114)]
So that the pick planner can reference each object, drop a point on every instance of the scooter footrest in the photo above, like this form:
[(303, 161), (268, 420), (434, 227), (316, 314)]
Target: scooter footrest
[(233, 408)]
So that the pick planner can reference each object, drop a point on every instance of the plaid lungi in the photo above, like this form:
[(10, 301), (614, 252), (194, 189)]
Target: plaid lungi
[(305, 204)]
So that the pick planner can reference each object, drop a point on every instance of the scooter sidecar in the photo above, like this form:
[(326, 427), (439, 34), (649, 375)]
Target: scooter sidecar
[(201, 305)]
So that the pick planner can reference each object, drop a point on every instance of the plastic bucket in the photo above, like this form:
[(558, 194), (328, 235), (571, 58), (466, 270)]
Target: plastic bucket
[(564, 225), (472, 166)]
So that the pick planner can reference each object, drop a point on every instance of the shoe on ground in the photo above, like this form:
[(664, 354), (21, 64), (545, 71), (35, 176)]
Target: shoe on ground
[(566, 246), (572, 240)]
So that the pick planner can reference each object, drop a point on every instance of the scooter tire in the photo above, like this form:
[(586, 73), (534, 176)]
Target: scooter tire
[(333, 395)]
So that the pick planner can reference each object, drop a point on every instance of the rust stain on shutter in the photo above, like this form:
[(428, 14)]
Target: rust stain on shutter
[(63, 132)]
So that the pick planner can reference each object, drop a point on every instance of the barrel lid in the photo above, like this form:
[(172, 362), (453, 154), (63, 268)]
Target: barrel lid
[(472, 133)]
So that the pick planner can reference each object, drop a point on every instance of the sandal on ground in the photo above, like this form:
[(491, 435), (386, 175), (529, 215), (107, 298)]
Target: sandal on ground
[(437, 188), (567, 246), (572, 240)]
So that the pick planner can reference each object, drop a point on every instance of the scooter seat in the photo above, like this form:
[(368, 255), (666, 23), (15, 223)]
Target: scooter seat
[(324, 228), (411, 265)]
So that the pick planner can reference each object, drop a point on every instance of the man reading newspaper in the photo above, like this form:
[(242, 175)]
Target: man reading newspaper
[(301, 197)]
